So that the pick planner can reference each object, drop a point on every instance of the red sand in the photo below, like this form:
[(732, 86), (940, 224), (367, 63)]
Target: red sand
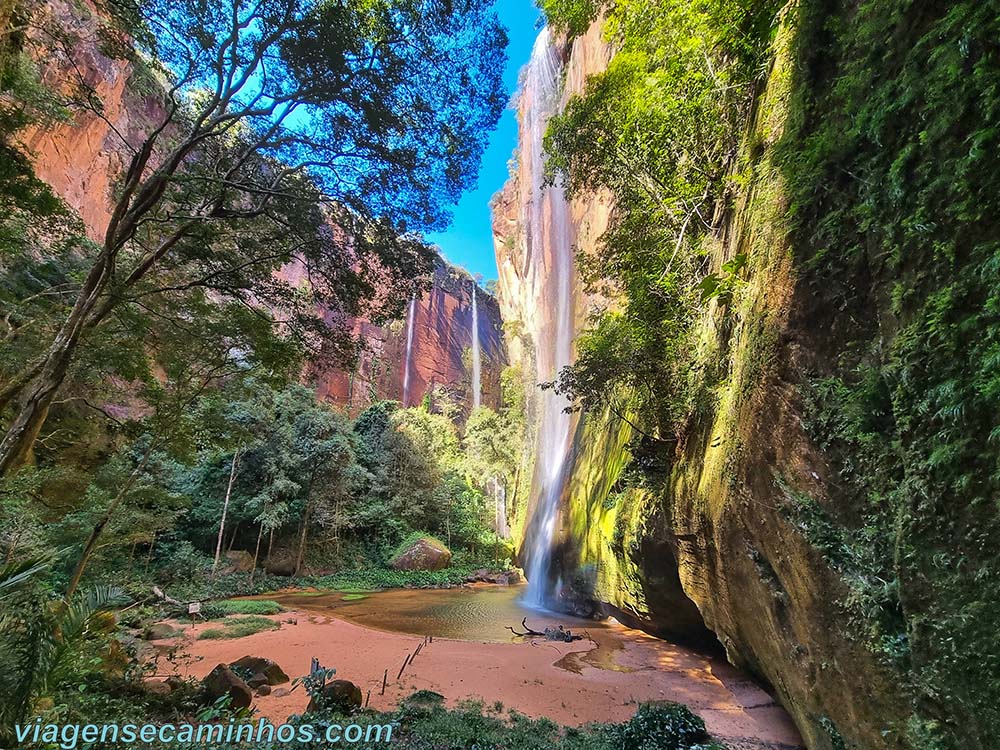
[(555, 680)]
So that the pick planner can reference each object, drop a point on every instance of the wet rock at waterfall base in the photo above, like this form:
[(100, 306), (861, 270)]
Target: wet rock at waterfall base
[(484, 575), (339, 695), (424, 553), (223, 681)]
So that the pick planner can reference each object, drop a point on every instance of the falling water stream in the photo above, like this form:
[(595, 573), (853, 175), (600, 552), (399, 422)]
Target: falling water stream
[(477, 388), (411, 315), (549, 237)]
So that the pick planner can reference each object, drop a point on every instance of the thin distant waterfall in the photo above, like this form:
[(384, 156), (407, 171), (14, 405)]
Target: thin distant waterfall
[(411, 315), (549, 234), (477, 387)]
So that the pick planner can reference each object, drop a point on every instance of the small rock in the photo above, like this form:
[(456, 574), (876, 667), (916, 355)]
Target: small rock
[(258, 680), (264, 690), (280, 692), (158, 688)]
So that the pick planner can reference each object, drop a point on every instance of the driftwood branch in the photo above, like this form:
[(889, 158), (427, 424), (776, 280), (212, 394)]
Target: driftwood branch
[(527, 631), (558, 633)]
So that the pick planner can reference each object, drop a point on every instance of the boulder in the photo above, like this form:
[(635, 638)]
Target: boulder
[(424, 553), (238, 561), (509, 578), (283, 568), (223, 681), (338, 695), (260, 671), (159, 631)]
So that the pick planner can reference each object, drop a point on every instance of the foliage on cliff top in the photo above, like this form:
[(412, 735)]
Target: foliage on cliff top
[(659, 130), (892, 164)]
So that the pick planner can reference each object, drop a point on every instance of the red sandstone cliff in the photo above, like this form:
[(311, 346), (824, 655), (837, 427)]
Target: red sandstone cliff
[(440, 354), (81, 158)]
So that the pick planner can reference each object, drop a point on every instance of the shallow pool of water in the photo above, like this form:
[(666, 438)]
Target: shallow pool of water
[(475, 613)]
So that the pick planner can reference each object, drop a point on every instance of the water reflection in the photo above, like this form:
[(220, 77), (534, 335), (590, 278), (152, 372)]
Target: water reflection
[(477, 613)]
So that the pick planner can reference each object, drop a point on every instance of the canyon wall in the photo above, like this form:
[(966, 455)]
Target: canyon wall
[(724, 552), (82, 158), (440, 354)]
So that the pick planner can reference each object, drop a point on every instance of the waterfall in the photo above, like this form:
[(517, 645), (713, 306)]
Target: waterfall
[(411, 315), (477, 387), (549, 237)]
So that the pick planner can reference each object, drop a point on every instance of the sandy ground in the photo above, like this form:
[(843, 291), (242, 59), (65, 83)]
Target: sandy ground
[(570, 683)]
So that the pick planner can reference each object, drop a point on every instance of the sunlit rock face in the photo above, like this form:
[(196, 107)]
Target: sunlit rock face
[(718, 548), (81, 160), (440, 352)]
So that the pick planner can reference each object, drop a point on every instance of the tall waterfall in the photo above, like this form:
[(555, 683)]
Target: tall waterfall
[(411, 315), (477, 387), (549, 237)]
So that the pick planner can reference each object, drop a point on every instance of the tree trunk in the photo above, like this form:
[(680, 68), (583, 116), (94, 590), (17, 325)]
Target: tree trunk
[(95, 534), (149, 554), (13, 547), (15, 448), (232, 539), (301, 553), (225, 509), (270, 546), (256, 553)]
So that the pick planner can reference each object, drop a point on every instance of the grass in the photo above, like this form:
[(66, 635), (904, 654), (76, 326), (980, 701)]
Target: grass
[(213, 610), (353, 597), (239, 627)]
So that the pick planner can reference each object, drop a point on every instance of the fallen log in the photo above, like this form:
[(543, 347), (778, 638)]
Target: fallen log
[(159, 594), (557, 633)]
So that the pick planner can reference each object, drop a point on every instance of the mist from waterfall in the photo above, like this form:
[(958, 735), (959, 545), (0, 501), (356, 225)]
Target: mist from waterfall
[(410, 316), (477, 387), (549, 237)]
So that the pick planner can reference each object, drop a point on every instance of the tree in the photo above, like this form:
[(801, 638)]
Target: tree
[(304, 135)]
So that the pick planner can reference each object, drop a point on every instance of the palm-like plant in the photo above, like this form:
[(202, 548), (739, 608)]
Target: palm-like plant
[(38, 638), (12, 575)]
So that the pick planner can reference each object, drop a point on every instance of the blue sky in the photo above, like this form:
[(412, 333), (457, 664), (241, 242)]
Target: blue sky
[(468, 241)]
